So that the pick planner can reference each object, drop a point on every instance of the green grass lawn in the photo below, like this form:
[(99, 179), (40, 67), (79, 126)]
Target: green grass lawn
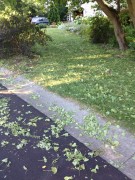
[(98, 76)]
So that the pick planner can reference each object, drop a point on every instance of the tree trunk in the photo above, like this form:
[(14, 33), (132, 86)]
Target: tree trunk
[(131, 7), (119, 34), (114, 18)]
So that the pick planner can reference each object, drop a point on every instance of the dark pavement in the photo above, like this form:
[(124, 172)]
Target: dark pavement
[(30, 151)]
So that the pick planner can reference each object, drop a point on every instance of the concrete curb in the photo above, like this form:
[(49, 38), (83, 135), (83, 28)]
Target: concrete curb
[(25, 89)]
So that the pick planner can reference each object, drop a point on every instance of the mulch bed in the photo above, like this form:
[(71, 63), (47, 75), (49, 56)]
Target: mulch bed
[(26, 162)]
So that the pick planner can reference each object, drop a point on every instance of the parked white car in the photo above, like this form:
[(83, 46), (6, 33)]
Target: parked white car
[(39, 20)]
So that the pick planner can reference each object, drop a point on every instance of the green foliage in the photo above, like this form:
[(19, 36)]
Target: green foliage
[(4, 110), (29, 7), (4, 3), (64, 119), (132, 45), (53, 14), (94, 170), (54, 170), (92, 128), (56, 10), (62, 11), (18, 35), (130, 36), (16, 129), (45, 143), (33, 8), (86, 20), (85, 31), (78, 20), (76, 157), (125, 17), (101, 30), (42, 25)]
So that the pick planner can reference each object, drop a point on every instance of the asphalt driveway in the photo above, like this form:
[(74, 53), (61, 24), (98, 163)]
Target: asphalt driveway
[(34, 148)]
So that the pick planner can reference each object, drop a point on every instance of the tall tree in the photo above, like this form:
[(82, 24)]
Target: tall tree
[(113, 15)]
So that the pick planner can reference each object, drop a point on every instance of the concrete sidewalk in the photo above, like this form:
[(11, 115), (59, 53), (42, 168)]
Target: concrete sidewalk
[(121, 157)]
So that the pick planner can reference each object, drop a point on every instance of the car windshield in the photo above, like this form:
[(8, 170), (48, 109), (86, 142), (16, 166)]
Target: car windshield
[(39, 20)]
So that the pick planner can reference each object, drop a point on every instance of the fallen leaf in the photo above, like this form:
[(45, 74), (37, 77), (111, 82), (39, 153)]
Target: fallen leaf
[(54, 170), (43, 167)]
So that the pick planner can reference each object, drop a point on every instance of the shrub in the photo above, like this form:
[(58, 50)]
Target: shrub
[(130, 36), (132, 45), (85, 31), (101, 30), (86, 20), (18, 35), (42, 25), (125, 17)]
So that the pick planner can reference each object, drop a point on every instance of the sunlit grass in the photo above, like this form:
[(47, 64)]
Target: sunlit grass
[(95, 75)]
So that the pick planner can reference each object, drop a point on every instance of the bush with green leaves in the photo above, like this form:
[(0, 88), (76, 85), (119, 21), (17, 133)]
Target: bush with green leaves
[(18, 35), (125, 17), (42, 25), (86, 20), (101, 30), (130, 36)]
